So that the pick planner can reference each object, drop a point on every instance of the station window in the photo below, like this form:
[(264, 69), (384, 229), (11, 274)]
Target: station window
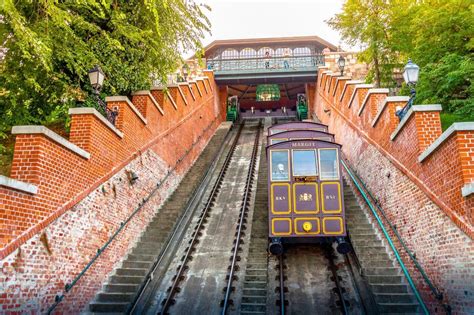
[(329, 165), (304, 163), (279, 160)]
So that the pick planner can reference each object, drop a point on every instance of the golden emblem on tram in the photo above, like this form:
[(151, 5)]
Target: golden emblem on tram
[(306, 197)]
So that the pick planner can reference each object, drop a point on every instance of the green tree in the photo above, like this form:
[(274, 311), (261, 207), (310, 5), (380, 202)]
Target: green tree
[(435, 34), (443, 46), (369, 24), (51, 45)]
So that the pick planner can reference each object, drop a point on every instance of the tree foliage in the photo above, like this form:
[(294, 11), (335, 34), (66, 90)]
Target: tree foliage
[(435, 34), (52, 44)]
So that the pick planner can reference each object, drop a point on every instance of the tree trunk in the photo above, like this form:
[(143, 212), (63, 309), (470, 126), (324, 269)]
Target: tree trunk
[(376, 69)]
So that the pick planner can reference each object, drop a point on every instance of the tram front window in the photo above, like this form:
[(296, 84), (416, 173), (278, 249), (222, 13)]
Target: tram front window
[(280, 166), (329, 164), (304, 163)]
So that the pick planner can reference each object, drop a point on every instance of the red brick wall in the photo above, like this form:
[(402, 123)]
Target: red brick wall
[(423, 198), (48, 237)]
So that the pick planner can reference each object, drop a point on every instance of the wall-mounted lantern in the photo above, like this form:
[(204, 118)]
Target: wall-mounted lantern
[(96, 78), (341, 63), (410, 75)]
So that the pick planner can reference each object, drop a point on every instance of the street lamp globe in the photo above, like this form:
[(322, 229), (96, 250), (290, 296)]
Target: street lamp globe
[(410, 74), (96, 77)]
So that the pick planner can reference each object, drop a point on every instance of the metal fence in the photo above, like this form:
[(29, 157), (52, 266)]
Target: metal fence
[(266, 64)]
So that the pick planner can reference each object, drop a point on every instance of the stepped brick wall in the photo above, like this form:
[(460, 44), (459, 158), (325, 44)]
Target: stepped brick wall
[(65, 198), (422, 177)]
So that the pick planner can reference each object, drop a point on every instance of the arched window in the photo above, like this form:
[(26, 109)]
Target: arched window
[(283, 52), (301, 51), (230, 53), (248, 53), (262, 52)]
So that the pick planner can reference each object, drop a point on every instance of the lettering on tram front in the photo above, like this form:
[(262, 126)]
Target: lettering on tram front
[(280, 198), (302, 144), (305, 197), (330, 197)]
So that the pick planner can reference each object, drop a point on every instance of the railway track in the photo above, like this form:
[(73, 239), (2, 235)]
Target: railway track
[(315, 282), (202, 264)]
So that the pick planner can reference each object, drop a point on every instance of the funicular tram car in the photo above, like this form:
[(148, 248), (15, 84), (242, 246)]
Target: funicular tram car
[(297, 125), (305, 188)]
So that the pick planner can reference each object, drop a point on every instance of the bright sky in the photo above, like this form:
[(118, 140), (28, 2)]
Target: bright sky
[(235, 19)]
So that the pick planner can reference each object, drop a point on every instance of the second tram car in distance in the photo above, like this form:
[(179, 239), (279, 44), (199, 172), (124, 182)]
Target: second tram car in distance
[(305, 125), (305, 188), (299, 134)]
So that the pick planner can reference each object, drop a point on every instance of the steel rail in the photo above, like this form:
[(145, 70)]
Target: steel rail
[(151, 273), (333, 268), (387, 237), (68, 286), (210, 201), (244, 208)]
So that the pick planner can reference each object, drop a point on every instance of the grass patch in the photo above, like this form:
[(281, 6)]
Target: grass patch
[(447, 119)]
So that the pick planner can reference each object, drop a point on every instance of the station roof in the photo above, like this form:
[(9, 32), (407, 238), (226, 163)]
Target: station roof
[(273, 41)]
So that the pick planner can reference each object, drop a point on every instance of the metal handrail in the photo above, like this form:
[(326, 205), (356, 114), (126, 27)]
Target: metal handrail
[(387, 236), (69, 286), (285, 63), (436, 292)]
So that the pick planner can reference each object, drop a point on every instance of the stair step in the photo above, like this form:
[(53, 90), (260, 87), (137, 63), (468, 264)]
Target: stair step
[(254, 291), (114, 297), (373, 279), (136, 264), (366, 242), (255, 284), (374, 271), (394, 298), (126, 279), (141, 257), (388, 288), (254, 299), (256, 272), (398, 307), (130, 272), (255, 278), (261, 307), (379, 263), (108, 306), (120, 288)]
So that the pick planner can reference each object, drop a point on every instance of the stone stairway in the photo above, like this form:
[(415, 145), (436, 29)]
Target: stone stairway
[(386, 281), (254, 292), (123, 284)]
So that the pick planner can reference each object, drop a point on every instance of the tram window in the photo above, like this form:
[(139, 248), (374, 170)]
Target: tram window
[(328, 164), (280, 166), (275, 141), (274, 131), (304, 163)]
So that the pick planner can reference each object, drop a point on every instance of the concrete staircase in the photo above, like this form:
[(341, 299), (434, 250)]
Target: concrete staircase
[(254, 291), (386, 281), (123, 284)]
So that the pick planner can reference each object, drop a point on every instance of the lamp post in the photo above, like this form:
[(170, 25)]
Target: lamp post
[(410, 75), (96, 78), (341, 63), (185, 72)]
